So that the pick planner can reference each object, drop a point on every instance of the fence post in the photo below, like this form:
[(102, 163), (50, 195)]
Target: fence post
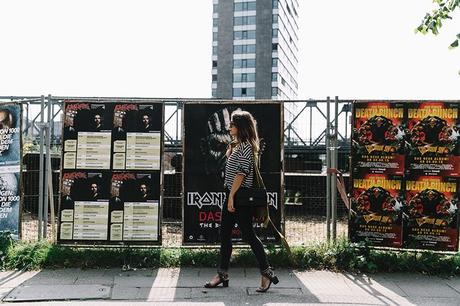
[(328, 175), (47, 168), (41, 169), (334, 156)]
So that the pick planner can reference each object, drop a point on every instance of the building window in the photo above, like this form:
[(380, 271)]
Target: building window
[(213, 92), (244, 20), (274, 62), (245, 6), (214, 8), (244, 92), (243, 49), (215, 22), (275, 18), (275, 4), (237, 35), (214, 36), (275, 33), (274, 91), (244, 77), (275, 47), (214, 50), (274, 77), (214, 77), (244, 63), (214, 64)]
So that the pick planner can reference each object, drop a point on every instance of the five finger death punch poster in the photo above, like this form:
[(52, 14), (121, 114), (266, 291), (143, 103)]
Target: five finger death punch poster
[(111, 173), (206, 137), (405, 174)]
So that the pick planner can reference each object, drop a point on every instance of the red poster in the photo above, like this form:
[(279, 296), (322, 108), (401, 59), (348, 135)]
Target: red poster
[(378, 138), (431, 214), (376, 208), (433, 139)]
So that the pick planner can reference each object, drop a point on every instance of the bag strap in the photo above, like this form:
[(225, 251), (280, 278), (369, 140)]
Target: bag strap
[(258, 177), (268, 220)]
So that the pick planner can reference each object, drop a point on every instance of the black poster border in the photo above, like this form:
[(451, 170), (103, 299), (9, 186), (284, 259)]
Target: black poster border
[(184, 140), (107, 243)]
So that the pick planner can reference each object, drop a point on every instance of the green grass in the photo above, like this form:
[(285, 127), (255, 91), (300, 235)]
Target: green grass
[(340, 256)]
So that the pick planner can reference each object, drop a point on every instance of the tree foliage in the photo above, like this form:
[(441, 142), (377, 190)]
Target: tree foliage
[(433, 21)]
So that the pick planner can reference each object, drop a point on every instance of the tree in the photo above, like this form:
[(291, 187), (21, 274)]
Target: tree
[(433, 22)]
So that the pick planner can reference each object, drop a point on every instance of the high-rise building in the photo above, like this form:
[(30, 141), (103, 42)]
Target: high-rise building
[(254, 49)]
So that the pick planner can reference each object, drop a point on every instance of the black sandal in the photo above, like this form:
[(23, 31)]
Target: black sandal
[(223, 279), (268, 273)]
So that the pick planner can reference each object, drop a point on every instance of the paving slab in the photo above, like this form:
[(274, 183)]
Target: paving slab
[(134, 281), (219, 292), (11, 279), (54, 277), (165, 294), (149, 293), (322, 283), (4, 292), (287, 279), (363, 285), (429, 288), (275, 291), (58, 292)]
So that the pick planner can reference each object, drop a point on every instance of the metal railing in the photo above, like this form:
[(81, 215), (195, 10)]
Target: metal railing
[(310, 214)]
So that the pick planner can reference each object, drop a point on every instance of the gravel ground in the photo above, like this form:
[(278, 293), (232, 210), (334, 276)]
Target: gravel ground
[(303, 230)]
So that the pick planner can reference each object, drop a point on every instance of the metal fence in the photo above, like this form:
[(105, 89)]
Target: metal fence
[(305, 129)]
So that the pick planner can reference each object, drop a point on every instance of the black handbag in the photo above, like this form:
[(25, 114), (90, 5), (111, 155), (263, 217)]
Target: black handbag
[(252, 196)]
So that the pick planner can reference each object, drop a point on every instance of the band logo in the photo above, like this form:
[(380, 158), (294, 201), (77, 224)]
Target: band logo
[(218, 199)]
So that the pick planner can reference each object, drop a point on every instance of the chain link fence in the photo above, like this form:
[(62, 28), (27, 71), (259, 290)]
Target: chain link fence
[(304, 175)]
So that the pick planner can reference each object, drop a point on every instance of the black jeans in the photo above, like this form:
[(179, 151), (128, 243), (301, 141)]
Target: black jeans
[(242, 216)]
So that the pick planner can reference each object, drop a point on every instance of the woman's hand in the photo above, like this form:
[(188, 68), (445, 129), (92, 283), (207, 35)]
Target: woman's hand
[(230, 206)]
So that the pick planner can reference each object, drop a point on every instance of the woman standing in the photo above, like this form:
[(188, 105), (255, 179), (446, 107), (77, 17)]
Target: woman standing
[(239, 172)]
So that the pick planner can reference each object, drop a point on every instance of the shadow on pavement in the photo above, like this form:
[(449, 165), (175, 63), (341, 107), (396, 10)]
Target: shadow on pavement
[(185, 286)]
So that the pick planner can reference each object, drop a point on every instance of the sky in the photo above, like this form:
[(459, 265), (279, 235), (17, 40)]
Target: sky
[(354, 49)]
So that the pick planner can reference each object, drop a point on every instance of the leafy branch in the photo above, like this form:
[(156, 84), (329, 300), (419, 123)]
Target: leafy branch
[(433, 22)]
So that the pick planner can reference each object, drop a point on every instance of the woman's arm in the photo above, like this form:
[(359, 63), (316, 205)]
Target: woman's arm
[(235, 186)]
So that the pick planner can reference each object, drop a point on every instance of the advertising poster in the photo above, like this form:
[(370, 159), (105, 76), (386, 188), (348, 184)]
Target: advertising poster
[(134, 206), (136, 136), (378, 138), (84, 205), (206, 137), (112, 173), (433, 139), (431, 213), (376, 210), (10, 168), (87, 136)]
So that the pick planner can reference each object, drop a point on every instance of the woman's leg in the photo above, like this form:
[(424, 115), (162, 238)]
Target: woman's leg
[(244, 220), (226, 226)]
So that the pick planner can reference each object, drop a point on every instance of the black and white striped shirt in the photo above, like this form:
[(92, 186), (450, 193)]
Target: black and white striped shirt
[(241, 161)]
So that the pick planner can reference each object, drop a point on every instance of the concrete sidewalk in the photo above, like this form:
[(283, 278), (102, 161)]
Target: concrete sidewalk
[(185, 287)]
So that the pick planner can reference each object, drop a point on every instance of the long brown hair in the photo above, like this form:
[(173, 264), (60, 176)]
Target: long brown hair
[(247, 128)]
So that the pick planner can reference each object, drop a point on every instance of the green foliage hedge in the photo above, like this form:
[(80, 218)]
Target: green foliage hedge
[(341, 256)]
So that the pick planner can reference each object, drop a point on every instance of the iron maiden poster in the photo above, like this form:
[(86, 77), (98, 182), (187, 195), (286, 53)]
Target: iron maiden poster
[(10, 168), (111, 178), (433, 139), (376, 209), (206, 136), (378, 138), (431, 213)]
